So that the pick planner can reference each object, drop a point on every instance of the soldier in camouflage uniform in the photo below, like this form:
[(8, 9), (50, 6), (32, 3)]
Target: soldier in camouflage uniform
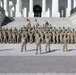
[(68, 36), (42, 36), (38, 41), (57, 36), (75, 37), (23, 42), (54, 35), (65, 41), (71, 37), (50, 36), (13, 37), (47, 43), (4, 36), (9, 36), (0, 36), (61, 37), (31, 37)]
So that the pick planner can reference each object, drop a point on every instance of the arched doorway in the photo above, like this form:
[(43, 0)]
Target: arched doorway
[(37, 11)]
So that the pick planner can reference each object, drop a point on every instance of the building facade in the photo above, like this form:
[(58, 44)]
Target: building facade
[(38, 8)]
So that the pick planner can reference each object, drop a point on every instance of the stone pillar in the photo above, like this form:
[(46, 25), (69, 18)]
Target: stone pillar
[(74, 3), (43, 8), (68, 9), (6, 7), (31, 13), (18, 8), (1, 3), (55, 8)]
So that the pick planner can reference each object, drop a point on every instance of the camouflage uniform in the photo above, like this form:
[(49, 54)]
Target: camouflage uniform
[(31, 37), (47, 43), (61, 37), (0, 36), (23, 42), (13, 37), (54, 35), (38, 44), (71, 37), (65, 42), (50, 36), (4, 36)]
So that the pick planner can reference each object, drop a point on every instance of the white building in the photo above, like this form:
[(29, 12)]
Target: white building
[(38, 8)]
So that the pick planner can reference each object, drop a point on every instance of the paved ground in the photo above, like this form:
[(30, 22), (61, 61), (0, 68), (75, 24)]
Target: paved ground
[(12, 60), (56, 50), (39, 64)]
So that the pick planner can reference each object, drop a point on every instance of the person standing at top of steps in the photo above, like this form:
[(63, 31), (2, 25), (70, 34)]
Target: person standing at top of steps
[(46, 23)]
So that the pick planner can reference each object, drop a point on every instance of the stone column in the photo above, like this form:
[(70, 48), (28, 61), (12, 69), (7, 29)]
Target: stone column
[(18, 8), (55, 8), (6, 7), (1, 3), (31, 13), (68, 9), (43, 8), (74, 3)]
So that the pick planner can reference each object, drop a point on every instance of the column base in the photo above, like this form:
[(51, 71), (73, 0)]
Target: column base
[(67, 12), (43, 14), (6, 13), (56, 14), (31, 14), (18, 14)]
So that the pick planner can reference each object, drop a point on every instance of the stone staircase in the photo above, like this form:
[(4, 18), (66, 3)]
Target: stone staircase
[(73, 19), (55, 22)]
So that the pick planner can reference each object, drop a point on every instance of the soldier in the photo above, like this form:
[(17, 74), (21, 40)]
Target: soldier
[(68, 36), (50, 36), (18, 36), (0, 36), (73, 32), (9, 37), (31, 37), (38, 44), (47, 43), (75, 37), (65, 42), (37, 41), (4, 36), (23, 42), (71, 37), (46, 23), (13, 37), (42, 36), (61, 37), (54, 35), (46, 34), (57, 36)]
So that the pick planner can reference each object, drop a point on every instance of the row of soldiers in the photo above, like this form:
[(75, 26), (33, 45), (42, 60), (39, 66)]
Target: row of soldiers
[(56, 35)]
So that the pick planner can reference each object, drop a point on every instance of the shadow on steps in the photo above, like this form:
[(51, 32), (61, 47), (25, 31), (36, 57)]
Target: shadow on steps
[(7, 20)]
